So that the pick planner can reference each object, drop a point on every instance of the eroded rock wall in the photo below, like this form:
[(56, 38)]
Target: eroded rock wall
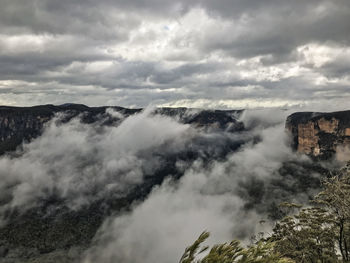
[(321, 135)]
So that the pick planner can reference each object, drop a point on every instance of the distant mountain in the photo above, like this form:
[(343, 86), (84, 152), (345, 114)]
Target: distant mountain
[(22, 124)]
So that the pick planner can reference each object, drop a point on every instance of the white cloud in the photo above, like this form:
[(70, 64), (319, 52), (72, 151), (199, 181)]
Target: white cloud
[(82, 163), (195, 50), (208, 197)]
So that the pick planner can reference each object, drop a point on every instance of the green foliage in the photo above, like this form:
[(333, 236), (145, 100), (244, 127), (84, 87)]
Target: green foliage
[(306, 237), (192, 251), (316, 234), (335, 197), (233, 252)]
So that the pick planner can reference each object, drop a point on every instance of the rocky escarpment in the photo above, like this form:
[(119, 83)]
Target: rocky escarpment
[(321, 135), (22, 124)]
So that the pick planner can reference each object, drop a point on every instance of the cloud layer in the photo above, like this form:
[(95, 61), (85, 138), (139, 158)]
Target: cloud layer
[(204, 179), (214, 197), (82, 163), (226, 54)]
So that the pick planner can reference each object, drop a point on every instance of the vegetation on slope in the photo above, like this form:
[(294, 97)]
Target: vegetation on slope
[(316, 234)]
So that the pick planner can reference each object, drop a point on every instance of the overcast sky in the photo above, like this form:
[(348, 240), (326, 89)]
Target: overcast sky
[(221, 54)]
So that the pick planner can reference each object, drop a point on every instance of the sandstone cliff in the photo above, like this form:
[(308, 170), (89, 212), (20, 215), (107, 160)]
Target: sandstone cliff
[(321, 135)]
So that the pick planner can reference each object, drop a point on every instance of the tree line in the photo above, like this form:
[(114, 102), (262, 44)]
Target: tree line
[(319, 233)]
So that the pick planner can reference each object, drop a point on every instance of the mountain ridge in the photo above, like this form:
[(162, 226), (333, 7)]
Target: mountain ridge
[(22, 124)]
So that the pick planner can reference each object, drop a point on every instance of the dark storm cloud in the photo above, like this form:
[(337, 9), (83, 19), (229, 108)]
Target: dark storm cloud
[(278, 27), (173, 50), (65, 17), (338, 68)]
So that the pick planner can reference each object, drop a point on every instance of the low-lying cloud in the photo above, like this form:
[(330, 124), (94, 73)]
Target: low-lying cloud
[(81, 162), (209, 179), (210, 197)]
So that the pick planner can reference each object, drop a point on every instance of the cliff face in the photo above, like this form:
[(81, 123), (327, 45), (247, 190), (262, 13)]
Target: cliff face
[(22, 124), (321, 135)]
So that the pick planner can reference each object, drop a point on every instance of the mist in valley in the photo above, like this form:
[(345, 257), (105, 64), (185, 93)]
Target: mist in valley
[(157, 182)]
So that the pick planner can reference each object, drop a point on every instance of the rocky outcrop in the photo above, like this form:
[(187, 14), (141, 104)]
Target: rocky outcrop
[(321, 135)]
